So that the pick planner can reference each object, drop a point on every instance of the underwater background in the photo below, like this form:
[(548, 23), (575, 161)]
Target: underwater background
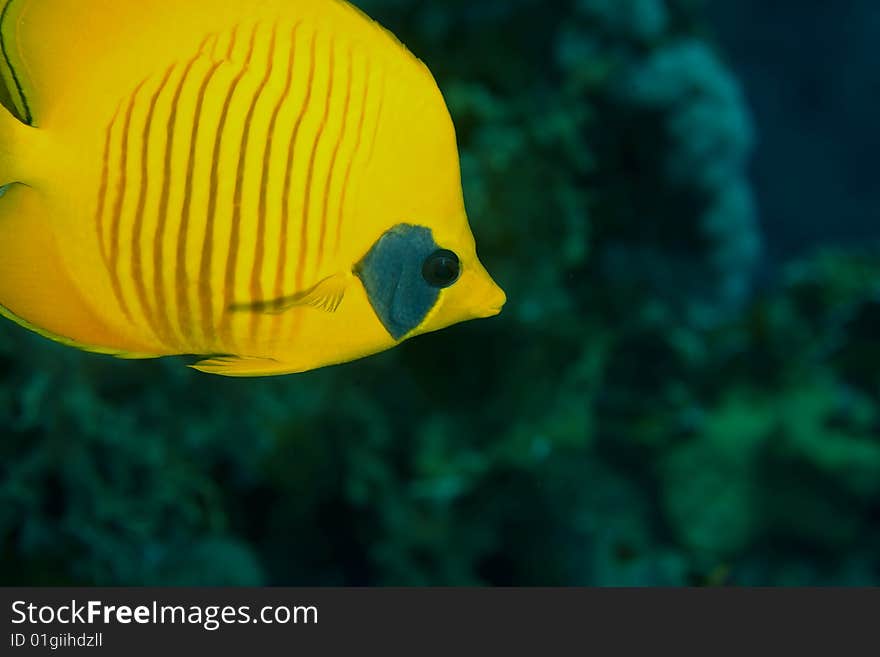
[(679, 198)]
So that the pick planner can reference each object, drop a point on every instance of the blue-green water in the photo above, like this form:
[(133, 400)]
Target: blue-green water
[(682, 389)]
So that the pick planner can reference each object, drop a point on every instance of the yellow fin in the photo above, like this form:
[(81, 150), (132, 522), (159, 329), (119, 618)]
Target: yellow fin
[(42, 46), (37, 37), (11, 61), (238, 366), (35, 290), (326, 295)]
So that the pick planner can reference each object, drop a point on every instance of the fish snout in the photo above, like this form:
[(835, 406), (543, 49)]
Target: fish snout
[(491, 299)]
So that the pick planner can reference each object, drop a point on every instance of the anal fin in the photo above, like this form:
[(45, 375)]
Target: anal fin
[(239, 366)]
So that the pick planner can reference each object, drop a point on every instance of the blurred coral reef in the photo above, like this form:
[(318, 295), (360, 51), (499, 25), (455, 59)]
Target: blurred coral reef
[(642, 413)]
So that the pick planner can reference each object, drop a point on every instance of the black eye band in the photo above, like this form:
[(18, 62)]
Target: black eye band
[(402, 274), (441, 269)]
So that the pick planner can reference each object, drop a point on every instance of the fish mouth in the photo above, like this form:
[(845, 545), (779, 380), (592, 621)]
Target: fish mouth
[(494, 304), (490, 312), (489, 297)]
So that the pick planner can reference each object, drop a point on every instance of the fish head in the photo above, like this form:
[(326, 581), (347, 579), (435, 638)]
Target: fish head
[(420, 272), (466, 289), (418, 279)]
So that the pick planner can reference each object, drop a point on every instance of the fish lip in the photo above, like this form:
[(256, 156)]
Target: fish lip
[(496, 304), (491, 312)]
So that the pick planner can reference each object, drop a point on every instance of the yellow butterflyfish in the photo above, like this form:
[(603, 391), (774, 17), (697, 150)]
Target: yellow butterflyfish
[(272, 185)]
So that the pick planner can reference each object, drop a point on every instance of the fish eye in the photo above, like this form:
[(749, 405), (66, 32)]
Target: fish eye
[(441, 269)]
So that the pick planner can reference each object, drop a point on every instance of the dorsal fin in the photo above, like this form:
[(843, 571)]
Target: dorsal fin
[(37, 38), (42, 48), (13, 96), (46, 44)]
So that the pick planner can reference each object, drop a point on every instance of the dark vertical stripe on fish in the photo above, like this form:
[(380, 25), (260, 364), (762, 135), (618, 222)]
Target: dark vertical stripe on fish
[(307, 191), (235, 233), (137, 268), (260, 248), (291, 149), (205, 289), (102, 190), (162, 221), (359, 135), (381, 91), (121, 183), (332, 170), (184, 310)]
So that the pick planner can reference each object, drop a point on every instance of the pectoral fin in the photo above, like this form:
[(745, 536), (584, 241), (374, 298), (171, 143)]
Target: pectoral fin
[(326, 295)]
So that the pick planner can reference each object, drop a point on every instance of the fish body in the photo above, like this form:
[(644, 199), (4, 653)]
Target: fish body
[(267, 184)]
